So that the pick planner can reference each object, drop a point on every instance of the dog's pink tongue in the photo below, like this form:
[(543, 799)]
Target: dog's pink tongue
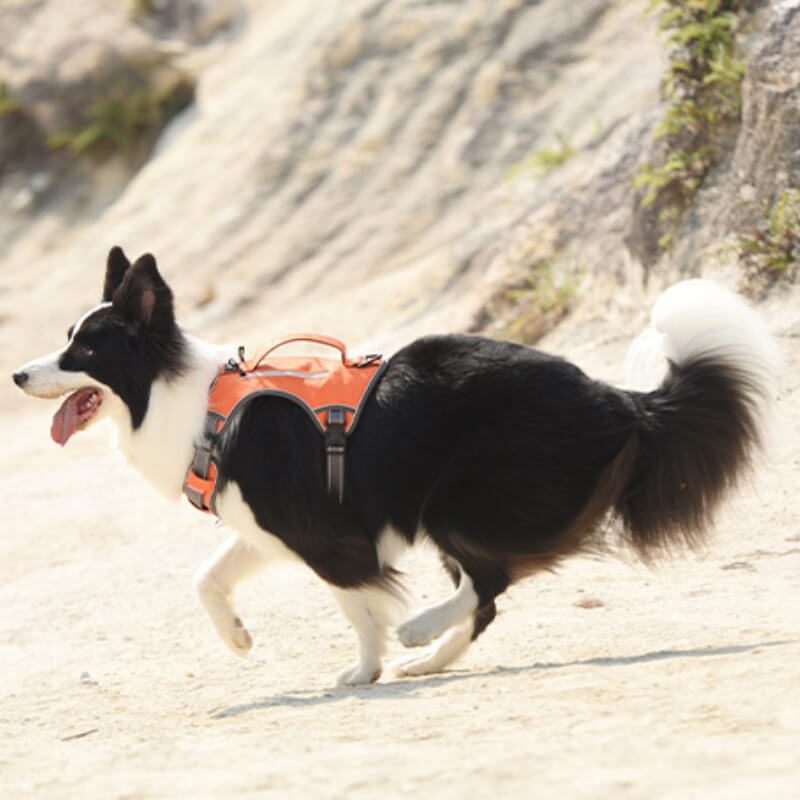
[(65, 420)]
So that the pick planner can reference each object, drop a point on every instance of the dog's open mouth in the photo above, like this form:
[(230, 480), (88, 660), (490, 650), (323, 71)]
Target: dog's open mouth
[(74, 413)]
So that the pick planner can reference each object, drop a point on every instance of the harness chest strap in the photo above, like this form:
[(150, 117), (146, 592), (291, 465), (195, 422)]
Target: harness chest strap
[(333, 392)]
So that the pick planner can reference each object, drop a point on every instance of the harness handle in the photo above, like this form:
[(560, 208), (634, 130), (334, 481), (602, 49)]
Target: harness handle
[(316, 338)]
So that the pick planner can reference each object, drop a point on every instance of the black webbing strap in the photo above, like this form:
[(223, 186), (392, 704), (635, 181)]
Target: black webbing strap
[(335, 438)]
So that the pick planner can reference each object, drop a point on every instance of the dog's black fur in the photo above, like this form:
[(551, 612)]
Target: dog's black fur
[(507, 458), (134, 340)]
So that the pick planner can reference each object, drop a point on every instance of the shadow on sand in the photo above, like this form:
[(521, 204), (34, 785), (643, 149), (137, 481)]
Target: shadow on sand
[(413, 687)]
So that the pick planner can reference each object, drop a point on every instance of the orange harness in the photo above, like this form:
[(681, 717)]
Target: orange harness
[(332, 391)]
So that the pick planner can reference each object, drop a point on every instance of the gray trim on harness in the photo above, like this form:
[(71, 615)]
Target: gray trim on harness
[(293, 373), (364, 397)]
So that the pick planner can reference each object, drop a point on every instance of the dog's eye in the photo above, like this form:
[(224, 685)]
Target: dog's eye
[(81, 349)]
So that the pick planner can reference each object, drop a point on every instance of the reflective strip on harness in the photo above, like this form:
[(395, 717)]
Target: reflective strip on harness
[(333, 392)]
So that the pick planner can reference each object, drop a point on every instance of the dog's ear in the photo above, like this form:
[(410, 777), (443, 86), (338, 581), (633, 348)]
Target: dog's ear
[(143, 296), (116, 266)]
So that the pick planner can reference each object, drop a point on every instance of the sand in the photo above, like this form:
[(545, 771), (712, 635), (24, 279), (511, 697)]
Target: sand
[(607, 679)]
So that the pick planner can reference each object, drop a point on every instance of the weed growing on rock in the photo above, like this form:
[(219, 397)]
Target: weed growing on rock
[(8, 102), (540, 302), (702, 84), (534, 303), (544, 159), (140, 9), (122, 122), (773, 246)]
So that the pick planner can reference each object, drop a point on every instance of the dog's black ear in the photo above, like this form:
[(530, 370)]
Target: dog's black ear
[(143, 296), (116, 266)]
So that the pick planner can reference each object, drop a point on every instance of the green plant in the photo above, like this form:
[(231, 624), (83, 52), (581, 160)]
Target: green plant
[(8, 102), (121, 121), (139, 9), (679, 176), (546, 158), (774, 245), (702, 84), (682, 170), (540, 301)]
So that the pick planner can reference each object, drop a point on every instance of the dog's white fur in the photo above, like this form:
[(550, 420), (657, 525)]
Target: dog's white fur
[(698, 316), (435, 621), (46, 379), (445, 651), (162, 447)]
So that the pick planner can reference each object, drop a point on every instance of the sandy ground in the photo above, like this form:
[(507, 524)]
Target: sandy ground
[(607, 679)]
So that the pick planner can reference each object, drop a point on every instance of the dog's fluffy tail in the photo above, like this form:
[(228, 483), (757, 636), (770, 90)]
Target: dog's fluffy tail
[(699, 430)]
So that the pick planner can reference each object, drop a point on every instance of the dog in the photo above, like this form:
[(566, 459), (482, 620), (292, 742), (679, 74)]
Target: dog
[(505, 458)]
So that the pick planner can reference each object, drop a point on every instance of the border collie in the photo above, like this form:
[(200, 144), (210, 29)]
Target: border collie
[(506, 458)]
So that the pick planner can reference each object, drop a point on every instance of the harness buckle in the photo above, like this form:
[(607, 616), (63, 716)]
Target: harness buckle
[(366, 360), (201, 460), (195, 497), (232, 365)]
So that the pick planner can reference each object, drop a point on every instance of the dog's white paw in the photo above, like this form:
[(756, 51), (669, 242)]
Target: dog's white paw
[(238, 638), (418, 631), (419, 665), (436, 658), (358, 675)]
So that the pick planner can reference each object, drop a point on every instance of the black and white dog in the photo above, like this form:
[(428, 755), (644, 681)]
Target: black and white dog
[(505, 458)]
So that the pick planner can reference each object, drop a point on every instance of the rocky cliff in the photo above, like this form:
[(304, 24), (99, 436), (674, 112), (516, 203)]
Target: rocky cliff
[(372, 168)]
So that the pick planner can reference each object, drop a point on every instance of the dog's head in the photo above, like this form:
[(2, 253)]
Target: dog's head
[(114, 351)]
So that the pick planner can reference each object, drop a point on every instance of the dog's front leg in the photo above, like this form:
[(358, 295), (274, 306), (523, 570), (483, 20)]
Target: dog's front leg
[(215, 582), (369, 611)]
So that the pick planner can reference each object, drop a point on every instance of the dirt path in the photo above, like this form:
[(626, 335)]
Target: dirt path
[(605, 680)]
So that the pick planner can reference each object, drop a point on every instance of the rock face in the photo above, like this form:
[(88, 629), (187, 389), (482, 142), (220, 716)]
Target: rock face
[(766, 158), (349, 166), (82, 82), (21, 140), (379, 169), (757, 158)]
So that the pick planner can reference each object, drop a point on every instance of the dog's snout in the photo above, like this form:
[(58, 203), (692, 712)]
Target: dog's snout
[(20, 378)]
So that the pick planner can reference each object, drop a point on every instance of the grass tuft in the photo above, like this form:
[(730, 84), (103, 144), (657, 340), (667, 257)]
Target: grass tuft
[(123, 122), (8, 102), (544, 159), (772, 248)]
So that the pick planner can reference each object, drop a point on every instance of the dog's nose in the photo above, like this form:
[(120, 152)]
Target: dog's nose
[(20, 378)]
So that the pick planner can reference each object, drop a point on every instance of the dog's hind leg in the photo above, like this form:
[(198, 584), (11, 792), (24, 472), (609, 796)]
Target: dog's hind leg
[(451, 567), (369, 610), (215, 581), (438, 619), (485, 583), (450, 647), (444, 652), (482, 618)]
